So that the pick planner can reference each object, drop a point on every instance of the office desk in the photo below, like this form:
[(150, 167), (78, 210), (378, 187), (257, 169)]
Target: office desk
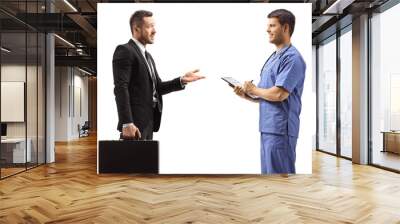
[(13, 150), (391, 141)]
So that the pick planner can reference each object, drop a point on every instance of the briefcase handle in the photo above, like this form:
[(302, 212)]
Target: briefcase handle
[(134, 139)]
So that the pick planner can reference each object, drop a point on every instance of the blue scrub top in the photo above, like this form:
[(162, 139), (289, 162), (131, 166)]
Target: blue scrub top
[(285, 68)]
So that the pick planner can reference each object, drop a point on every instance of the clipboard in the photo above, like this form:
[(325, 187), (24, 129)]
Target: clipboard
[(233, 82)]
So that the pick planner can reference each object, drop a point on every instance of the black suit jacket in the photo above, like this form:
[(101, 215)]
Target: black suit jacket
[(134, 87)]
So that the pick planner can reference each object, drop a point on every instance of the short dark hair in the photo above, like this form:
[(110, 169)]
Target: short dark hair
[(285, 17), (137, 18)]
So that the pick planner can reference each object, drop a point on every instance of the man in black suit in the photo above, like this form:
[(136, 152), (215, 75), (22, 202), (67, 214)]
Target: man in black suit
[(138, 88)]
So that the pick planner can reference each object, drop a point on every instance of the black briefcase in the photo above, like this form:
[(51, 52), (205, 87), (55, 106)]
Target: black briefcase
[(128, 156)]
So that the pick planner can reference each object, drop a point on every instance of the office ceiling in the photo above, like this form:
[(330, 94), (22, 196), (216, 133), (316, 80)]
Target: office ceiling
[(76, 22)]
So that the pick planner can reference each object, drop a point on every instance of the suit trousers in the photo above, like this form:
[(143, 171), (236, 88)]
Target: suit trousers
[(147, 131)]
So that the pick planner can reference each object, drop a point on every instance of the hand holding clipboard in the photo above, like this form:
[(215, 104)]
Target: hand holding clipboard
[(233, 83)]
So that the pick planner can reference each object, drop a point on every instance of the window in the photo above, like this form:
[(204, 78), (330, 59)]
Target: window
[(385, 89), (327, 96), (346, 93)]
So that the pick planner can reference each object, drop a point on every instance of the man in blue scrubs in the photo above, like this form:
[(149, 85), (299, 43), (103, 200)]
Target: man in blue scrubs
[(279, 92)]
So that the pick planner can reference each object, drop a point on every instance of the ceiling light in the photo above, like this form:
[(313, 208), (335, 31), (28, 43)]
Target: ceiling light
[(64, 40), (84, 71), (338, 6), (5, 50), (70, 5)]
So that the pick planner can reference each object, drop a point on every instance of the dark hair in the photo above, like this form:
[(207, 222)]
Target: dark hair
[(137, 18), (285, 17)]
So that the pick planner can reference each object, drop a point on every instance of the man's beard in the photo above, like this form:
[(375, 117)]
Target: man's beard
[(149, 40), (278, 40)]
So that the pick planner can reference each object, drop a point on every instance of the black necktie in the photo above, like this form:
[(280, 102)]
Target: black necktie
[(153, 76)]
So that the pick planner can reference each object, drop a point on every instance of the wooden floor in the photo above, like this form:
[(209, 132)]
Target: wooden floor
[(10, 171), (70, 191)]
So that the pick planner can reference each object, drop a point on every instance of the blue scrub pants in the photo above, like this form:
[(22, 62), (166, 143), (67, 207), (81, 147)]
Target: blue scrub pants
[(278, 153)]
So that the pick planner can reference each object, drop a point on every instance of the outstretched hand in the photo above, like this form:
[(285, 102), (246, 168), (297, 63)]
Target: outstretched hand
[(192, 76)]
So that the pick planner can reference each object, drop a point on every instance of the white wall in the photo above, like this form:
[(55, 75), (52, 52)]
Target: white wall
[(206, 128), (67, 117), (80, 83), (314, 91), (61, 103)]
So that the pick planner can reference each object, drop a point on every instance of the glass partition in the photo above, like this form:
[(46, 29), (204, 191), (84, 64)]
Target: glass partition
[(22, 89), (13, 109)]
